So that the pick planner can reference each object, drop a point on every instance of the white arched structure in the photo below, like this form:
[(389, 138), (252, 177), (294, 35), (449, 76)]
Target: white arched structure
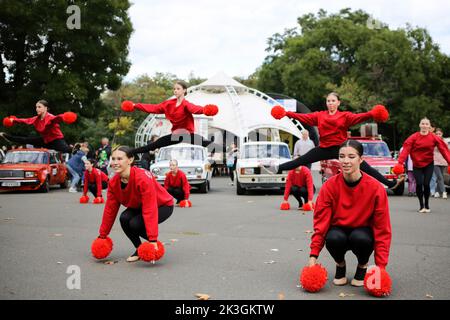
[(241, 111)]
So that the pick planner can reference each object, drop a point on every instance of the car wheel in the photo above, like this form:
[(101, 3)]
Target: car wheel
[(45, 186), (239, 190), (204, 187), (65, 184)]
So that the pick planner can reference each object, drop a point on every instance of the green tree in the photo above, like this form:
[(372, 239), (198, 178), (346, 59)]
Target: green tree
[(41, 58)]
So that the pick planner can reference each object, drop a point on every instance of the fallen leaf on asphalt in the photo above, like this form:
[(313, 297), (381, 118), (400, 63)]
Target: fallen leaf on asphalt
[(190, 233), (174, 240), (281, 296), (429, 296), (274, 250), (59, 262), (308, 231), (269, 262), (343, 295), (110, 262), (250, 201), (9, 219), (299, 249), (57, 234), (202, 296)]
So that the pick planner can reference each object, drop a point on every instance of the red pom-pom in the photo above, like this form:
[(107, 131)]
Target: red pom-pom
[(8, 122), (210, 110), (84, 199), (380, 113), (69, 117), (398, 169), (278, 112), (377, 282), (127, 106), (285, 206), (147, 251), (98, 200), (185, 204), (101, 248), (313, 278), (307, 207)]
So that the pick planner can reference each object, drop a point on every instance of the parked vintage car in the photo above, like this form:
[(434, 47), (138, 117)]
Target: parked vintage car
[(254, 165), (376, 154), (192, 160), (32, 169)]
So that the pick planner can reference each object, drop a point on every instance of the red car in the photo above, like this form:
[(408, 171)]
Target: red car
[(376, 154), (32, 169)]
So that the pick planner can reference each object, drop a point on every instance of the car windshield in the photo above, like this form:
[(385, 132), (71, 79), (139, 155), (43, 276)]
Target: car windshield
[(181, 154), (266, 151), (26, 157), (379, 149)]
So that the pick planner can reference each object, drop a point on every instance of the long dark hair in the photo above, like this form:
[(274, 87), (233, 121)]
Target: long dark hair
[(44, 103), (355, 145), (183, 84)]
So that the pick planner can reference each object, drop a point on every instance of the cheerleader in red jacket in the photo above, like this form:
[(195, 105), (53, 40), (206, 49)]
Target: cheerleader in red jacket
[(420, 146), (95, 180), (176, 182), (299, 183), (46, 124), (179, 112), (352, 213), (333, 126), (147, 202)]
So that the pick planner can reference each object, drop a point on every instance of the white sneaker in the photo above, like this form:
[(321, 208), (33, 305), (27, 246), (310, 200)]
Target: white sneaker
[(422, 210), (444, 195), (427, 210), (436, 195), (72, 190)]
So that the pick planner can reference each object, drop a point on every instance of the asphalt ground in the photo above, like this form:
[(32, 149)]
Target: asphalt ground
[(225, 246)]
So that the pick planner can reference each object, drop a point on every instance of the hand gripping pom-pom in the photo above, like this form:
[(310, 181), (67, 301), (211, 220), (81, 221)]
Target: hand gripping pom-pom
[(285, 206), (101, 248), (185, 204), (69, 117), (398, 169), (313, 278), (307, 207), (84, 199), (278, 112), (98, 200), (8, 122), (147, 251), (380, 113), (377, 282), (210, 110), (127, 106)]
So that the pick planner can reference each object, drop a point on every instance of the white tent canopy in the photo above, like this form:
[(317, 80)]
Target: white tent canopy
[(241, 110)]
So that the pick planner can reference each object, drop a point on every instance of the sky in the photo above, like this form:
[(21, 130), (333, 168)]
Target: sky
[(203, 37)]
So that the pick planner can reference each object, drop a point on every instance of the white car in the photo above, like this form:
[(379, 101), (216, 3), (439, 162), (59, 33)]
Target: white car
[(192, 160), (253, 167)]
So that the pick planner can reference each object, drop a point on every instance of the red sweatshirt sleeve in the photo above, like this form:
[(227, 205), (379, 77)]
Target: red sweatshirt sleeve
[(287, 187), (110, 212), (26, 120), (381, 230), (56, 119), (86, 182), (355, 118), (194, 109), (442, 147), (186, 186), (149, 207), (98, 182), (310, 119), (321, 220), (166, 181), (406, 149), (150, 108), (309, 183)]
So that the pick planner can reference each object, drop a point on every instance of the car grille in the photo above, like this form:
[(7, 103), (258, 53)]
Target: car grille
[(11, 174)]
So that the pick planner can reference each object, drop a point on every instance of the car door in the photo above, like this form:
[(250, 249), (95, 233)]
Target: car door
[(54, 169)]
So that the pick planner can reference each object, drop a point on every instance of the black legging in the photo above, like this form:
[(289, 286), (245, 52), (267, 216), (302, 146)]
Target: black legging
[(92, 187), (177, 193), (133, 224), (319, 153), (423, 178), (38, 142), (360, 240), (299, 193), (171, 139)]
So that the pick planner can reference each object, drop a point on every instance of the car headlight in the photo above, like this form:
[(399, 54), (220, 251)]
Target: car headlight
[(30, 174), (198, 170), (156, 171)]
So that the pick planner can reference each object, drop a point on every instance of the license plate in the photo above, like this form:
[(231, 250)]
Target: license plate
[(268, 180), (11, 184)]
